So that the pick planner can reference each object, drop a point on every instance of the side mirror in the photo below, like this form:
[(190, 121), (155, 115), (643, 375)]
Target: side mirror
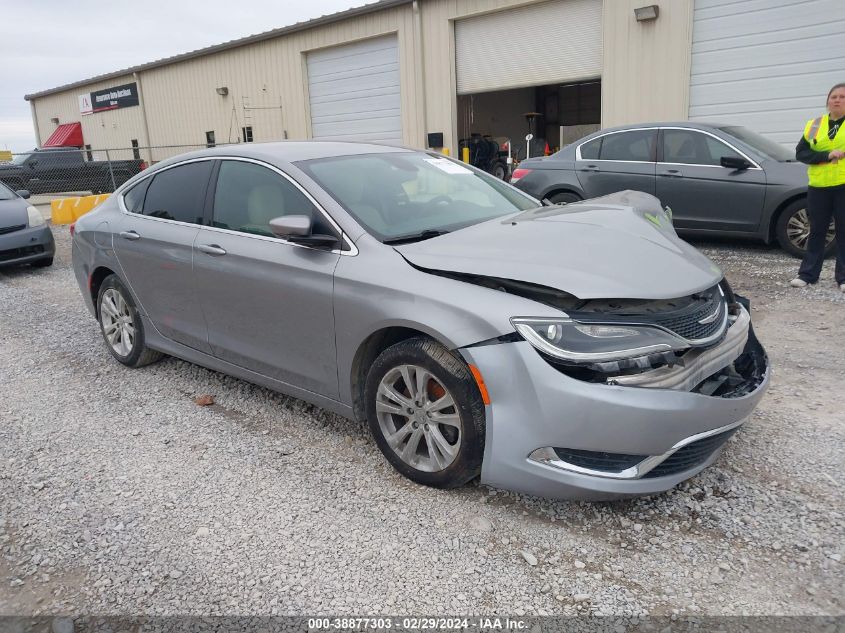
[(297, 229), (23, 193), (734, 162)]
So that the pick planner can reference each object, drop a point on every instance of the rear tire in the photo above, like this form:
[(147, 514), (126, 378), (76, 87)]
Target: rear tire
[(42, 263), (793, 229), (121, 325), (426, 413), (564, 197), (500, 170)]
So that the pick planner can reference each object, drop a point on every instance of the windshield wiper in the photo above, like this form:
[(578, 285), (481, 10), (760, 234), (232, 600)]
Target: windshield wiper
[(414, 237)]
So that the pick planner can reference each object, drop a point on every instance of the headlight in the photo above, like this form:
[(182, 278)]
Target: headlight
[(35, 217), (594, 343)]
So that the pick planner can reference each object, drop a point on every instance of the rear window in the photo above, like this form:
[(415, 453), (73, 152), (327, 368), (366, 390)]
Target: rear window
[(179, 193)]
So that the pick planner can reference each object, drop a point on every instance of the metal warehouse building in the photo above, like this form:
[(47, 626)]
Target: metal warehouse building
[(398, 70)]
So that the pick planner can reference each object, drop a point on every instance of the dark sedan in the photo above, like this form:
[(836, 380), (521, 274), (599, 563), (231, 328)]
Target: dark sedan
[(25, 237), (717, 179)]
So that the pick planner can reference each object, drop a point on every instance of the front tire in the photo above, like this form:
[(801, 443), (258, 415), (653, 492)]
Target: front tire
[(121, 325), (793, 230), (426, 413), (564, 197)]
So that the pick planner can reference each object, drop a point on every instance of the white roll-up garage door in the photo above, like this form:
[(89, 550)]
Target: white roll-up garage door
[(765, 64), (354, 91), (547, 43)]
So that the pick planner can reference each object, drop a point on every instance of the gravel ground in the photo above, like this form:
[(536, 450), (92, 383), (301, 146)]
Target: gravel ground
[(119, 495)]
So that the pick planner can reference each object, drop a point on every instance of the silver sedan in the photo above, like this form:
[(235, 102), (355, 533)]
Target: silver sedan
[(579, 351)]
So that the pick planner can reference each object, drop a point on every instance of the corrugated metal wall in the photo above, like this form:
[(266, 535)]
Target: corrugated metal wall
[(766, 64), (113, 128), (645, 76), (267, 89)]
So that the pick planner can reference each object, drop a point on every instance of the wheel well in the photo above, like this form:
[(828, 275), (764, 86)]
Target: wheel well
[(94, 283), (557, 191), (367, 352), (770, 233)]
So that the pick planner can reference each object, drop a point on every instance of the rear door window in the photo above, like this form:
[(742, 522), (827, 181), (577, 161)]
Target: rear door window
[(636, 145), (179, 193)]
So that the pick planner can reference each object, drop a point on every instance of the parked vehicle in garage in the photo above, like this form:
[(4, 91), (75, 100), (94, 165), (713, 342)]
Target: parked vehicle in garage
[(62, 169), (717, 179), (25, 237), (582, 351)]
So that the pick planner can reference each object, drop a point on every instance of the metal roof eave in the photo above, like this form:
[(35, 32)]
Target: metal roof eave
[(373, 7)]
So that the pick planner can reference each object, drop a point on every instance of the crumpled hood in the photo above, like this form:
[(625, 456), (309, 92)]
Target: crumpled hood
[(620, 246), (13, 213)]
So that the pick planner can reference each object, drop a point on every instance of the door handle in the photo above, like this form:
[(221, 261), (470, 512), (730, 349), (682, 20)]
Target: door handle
[(672, 173), (211, 249), (130, 235), (590, 168)]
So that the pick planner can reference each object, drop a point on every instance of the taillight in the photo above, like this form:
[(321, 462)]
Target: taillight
[(519, 173), (143, 165), (73, 229)]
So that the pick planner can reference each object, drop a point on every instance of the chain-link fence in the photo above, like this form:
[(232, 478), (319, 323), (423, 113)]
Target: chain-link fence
[(70, 171)]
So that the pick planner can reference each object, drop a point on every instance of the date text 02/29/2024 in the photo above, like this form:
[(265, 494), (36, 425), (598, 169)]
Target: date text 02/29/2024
[(416, 624)]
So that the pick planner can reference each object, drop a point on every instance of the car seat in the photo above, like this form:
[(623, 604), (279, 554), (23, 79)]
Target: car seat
[(264, 203)]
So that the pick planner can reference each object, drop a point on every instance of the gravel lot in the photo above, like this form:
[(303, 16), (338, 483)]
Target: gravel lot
[(119, 495)]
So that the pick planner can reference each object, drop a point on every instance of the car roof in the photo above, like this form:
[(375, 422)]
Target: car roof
[(292, 151), (689, 124)]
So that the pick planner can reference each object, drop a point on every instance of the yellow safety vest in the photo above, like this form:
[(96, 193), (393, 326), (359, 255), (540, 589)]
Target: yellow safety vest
[(825, 174)]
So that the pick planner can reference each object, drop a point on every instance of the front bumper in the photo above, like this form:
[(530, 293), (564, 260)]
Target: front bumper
[(27, 245), (534, 406)]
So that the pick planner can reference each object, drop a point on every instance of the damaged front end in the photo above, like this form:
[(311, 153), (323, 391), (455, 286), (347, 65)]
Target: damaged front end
[(714, 351), (701, 343)]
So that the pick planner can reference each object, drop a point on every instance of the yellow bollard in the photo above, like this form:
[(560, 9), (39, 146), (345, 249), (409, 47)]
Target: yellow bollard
[(61, 211), (465, 154), (445, 151)]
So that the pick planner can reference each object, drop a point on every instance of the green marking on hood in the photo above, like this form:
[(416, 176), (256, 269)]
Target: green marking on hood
[(653, 219)]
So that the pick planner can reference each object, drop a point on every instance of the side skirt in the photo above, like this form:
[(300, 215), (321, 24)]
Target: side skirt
[(156, 341)]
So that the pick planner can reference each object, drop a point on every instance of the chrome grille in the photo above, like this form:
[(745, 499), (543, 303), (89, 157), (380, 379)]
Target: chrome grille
[(687, 323)]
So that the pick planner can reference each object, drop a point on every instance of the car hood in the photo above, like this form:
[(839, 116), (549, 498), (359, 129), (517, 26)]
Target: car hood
[(13, 213), (620, 246)]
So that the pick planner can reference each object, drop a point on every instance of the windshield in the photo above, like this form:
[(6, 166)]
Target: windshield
[(765, 146), (6, 193), (18, 159), (397, 195)]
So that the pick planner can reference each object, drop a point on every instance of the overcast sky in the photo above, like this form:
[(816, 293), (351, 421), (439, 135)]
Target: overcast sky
[(48, 43)]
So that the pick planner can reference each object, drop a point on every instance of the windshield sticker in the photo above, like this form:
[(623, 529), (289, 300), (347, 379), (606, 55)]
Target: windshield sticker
[(448, 166)]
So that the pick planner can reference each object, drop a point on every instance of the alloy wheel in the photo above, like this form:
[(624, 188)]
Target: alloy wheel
[(118, 325), (418, 418), (798, 230)]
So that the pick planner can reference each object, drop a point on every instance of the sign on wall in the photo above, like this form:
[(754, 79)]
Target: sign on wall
[(85, 104), (109, 99)]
